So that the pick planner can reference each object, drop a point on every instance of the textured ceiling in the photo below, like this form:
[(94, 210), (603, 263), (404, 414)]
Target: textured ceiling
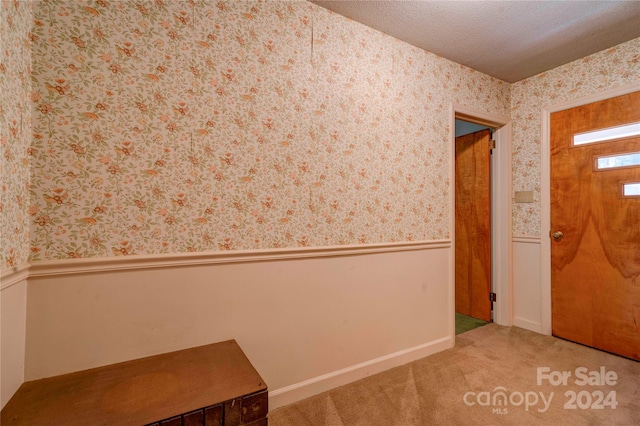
[(510, 40)]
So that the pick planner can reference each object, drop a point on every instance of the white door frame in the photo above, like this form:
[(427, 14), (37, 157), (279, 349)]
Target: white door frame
[(545, 192), (501, 214)]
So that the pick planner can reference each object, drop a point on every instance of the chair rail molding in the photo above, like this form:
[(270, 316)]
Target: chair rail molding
[(105, 264)]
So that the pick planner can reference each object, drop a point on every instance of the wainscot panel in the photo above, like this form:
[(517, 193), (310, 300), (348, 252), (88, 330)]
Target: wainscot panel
[(308, 319), (13, 313), (526, 283)]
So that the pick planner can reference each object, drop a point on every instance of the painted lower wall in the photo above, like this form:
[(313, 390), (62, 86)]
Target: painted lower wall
[(306, 323), (526, 283), (13, 313)]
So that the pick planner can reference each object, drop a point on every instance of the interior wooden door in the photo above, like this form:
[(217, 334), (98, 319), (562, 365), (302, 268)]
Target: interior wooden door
[(595, 230), (473, 224)]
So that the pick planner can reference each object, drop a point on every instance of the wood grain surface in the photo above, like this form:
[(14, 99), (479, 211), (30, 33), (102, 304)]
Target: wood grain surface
[(473, 225), (596, 265), (137, 392)]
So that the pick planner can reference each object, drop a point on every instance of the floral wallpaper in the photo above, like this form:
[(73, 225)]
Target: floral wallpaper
[(208, 125), (15, 131), (189, 126), (613, 67)]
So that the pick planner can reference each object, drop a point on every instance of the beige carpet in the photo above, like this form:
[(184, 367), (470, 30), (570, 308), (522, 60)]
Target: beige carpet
[(431, 391)]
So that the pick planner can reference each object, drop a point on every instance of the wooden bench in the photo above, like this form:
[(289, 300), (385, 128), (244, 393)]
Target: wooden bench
[(212, 385)]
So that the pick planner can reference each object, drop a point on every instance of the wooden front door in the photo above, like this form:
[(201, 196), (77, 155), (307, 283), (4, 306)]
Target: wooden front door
[(595, 229), (473, 225)]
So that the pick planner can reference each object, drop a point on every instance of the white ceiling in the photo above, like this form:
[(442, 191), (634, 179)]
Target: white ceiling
[(510, 40)]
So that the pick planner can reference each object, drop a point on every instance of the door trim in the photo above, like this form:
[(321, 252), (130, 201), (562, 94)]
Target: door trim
[(545, 191), (501, 216)]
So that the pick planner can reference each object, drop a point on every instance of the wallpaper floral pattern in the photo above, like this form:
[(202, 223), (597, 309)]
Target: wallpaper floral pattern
[(610, 68), (189, 126), (210, 125), (15, 131)]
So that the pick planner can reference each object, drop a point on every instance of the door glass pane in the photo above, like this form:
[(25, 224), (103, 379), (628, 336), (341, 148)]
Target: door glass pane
[(621, 160), (607, 134), (631, 189)]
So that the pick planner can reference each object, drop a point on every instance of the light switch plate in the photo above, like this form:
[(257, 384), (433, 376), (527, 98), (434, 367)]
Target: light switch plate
[(524, 197)]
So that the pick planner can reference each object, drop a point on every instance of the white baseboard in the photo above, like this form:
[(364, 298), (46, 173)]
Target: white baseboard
[(527, 325), (299, 391)]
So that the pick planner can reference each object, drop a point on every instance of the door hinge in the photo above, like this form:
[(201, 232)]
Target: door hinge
[(492, 298), (492, 144)]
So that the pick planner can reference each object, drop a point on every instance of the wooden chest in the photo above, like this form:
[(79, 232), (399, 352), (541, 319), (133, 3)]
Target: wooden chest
[(212, 385)]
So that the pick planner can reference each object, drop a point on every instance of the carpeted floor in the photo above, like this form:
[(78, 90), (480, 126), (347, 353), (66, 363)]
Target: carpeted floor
[(465, 323), (490, 377)]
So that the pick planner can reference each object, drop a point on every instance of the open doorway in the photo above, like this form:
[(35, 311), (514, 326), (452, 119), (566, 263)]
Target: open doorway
[(471, 120), (473, 248)]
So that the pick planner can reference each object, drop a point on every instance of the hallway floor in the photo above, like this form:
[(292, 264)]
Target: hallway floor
[(494, 375)]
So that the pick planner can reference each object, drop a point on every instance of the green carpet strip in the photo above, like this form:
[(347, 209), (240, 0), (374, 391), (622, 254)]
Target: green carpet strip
[(465, 323)]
